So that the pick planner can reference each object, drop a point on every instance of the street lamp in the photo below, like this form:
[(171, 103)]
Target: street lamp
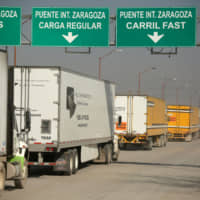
[(194, 93), (186, 84), (164, 86), (139, 77), (105, 55)]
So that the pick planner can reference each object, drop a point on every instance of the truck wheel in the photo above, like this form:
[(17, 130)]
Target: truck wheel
[(108, 153), (159, 142), (122, 145), (2, 177), (75, 161), (115, 156), (162, 141), (20, 183), (69, 160), (165, 140), (149, 144)]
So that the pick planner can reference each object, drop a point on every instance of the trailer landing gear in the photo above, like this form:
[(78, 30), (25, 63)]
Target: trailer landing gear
[(21, 182), (108, 153), (2, 177)]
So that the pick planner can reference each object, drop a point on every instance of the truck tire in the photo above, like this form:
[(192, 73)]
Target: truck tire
[(20, 183), (149, 144), (2, 177), (115, 156), (162, 141), (108, 153), (159, 142), (69, 160), (75, 161), (122, 145), (165, 140)]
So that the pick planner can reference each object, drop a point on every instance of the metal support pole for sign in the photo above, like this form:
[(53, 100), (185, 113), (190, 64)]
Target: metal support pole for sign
[(112, 20), (199, 100), (191, 100), (164, 85), (15, 56), (27, 19), (139, 78), (100, 58), (105, 55), (139, 82), (177, 93), (163, 90)]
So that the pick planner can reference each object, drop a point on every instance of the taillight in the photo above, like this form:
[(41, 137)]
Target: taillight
[(50, 149)]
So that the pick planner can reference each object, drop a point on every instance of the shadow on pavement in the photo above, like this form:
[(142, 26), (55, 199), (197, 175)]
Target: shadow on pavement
[(38, 171), (135, 147), (175, 181), (156, 164), (10, 188)]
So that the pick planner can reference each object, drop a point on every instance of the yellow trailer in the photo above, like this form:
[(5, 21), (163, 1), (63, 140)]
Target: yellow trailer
[(183, 122), (141, 120)]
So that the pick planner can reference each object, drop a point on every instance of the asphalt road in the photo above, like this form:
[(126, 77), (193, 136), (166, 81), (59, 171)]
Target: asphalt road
[(163, 173)]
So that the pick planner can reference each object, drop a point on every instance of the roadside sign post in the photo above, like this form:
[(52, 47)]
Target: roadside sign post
[(76, 27), (10, 26), (156, 27)]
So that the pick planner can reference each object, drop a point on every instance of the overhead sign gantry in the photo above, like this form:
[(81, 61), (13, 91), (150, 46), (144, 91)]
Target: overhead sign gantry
[(89, 27)]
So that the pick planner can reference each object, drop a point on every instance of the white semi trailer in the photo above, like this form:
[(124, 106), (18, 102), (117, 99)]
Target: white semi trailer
[(12, 149), (71, 117)]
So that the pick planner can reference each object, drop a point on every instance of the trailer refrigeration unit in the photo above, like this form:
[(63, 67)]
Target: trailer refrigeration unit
[(71, 117), (183, 122), (12, 146), (140, 120)]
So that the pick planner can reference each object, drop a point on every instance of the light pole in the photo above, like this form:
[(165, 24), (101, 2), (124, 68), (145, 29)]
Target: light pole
[(177, 95), (164, 84), (105, 55), (186, 84), (194, 94), (139, 77)]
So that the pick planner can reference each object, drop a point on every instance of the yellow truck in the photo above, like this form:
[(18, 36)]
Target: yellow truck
[(183, 122), (141, 120)]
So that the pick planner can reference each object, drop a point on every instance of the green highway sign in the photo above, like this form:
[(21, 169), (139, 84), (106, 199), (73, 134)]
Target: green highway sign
[(159, 27), (10, 26), (75, 27)]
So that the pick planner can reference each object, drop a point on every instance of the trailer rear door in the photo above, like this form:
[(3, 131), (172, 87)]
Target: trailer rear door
[(3, 101), (38, 89), (139, 115), (122, 114)]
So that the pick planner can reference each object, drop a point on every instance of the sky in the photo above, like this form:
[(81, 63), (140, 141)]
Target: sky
[(179, 72)]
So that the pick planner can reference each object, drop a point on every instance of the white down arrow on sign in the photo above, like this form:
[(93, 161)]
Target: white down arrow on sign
[(70, 38), (155, 37)]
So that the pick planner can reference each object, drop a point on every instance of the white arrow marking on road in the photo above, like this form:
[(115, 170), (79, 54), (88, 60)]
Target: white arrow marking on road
[(69, 37), (155, 37)]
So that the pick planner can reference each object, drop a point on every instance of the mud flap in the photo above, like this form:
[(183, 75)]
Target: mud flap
[(61, 163)]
